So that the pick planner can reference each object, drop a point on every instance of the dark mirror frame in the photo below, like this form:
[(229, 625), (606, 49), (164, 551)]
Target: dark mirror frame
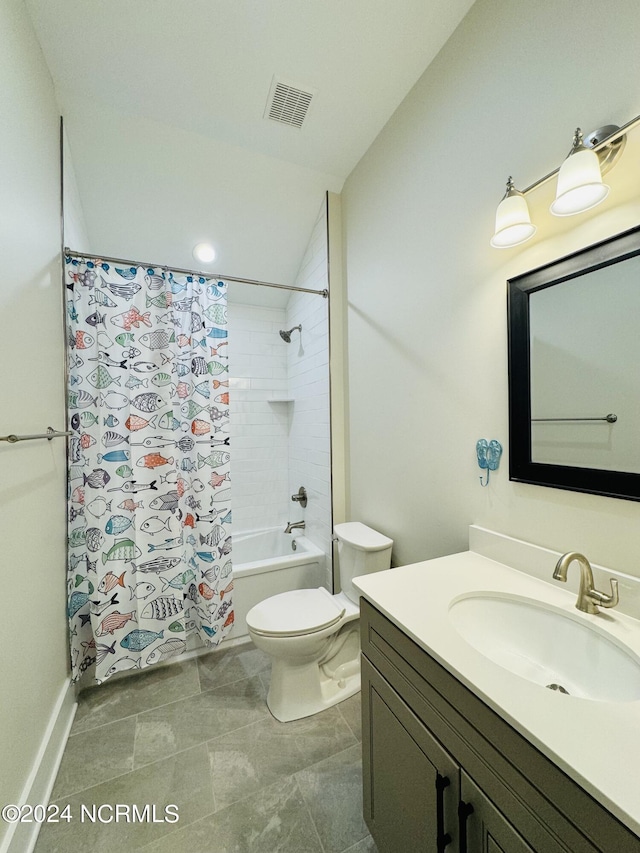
[(615, 484)]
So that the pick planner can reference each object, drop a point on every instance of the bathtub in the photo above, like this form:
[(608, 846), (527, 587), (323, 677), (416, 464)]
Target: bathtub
[(264, 564)]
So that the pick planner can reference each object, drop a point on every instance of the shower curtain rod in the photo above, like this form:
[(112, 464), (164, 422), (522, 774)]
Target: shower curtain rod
[(49, 434), (71, 253)]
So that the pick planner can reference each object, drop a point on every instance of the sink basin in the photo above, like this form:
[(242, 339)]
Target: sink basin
[(548, 646)]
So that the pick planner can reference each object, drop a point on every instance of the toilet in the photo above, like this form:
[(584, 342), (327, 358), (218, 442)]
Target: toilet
[(312, 636)]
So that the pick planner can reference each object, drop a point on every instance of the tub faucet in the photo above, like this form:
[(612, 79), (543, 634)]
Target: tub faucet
[(298, 525), (588, 597)]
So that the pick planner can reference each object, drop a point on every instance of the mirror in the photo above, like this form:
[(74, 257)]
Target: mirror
[(574, 371)]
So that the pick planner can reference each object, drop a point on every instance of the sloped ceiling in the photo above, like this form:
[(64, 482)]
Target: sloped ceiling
[(164, 101)]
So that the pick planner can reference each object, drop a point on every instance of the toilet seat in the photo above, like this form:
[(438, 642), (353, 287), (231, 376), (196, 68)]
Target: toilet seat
[(290, 614)]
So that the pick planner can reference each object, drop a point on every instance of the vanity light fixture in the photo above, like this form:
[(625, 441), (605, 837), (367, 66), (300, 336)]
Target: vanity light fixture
[(513, 223), (204, 252), (579, 186)]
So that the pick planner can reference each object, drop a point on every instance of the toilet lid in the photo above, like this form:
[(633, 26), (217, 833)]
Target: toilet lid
[(300, 611)]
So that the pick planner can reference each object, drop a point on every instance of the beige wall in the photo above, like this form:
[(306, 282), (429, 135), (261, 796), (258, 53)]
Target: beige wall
[(427, 295), (33, 663)]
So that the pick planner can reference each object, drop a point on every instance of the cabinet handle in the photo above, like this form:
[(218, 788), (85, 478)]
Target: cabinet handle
[(464, 810), (442, 838)]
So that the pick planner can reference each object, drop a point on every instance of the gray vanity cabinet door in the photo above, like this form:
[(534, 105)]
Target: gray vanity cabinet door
[(487, 830), (411, 785)]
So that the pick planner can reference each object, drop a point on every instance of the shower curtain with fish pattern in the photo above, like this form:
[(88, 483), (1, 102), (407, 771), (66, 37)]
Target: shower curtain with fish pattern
[(149, 480)]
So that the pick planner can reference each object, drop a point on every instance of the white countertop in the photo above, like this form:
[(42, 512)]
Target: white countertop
[(596, 743)]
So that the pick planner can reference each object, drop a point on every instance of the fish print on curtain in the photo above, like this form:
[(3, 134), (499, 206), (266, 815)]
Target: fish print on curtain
[(149, 482)]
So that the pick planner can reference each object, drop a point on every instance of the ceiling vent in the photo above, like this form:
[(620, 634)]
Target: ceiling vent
[(288, 103)]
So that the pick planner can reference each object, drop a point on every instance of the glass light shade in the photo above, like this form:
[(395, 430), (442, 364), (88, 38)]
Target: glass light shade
[(513, 223), (204, 252), (580, 184)]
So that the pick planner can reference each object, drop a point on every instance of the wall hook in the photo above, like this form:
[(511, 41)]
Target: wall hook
[(488, 453)]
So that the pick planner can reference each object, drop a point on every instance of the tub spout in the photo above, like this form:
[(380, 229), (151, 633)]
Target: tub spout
[(297, 525)]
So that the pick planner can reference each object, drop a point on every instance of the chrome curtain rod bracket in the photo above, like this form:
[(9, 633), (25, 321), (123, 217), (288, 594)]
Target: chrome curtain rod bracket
[(130, 263), (49, 434), (610, 419)]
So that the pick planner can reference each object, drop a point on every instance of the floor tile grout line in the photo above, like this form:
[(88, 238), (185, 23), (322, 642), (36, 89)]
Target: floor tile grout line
[(285, 776), (172, 831), (224, 653), (135, 738), (229, 683), (173, 828), (101, 726), (267, 716), (135, 769), (189, 696), (328, 757), (355, 733), (305, 805), (104, 781), (206, 742), (199, 677), (355, 843), (137, 713), (68, 795), (177, 829), (305, 799), (270, 716), (216, 810), (308, 811), (172, 702)]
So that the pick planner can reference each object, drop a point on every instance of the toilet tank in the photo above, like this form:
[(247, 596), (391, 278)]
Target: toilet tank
[(361, 550)]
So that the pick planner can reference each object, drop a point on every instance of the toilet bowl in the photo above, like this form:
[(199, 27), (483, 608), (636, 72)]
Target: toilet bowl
[(312, 636)]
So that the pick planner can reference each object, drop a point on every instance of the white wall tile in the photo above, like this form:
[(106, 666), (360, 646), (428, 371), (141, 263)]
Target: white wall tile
[(259, 433), (308, 372), (278, 446)]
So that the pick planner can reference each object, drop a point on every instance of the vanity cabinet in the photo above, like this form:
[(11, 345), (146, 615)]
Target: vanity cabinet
[(414, 801), (444, 773), (482, 826)]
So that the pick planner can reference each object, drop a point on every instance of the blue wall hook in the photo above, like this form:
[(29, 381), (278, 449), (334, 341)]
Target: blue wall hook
[(488, 453)]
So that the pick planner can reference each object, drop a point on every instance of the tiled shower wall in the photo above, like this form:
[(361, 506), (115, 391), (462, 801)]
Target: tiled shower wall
[(308, 372), (259, 428), (279, 406)]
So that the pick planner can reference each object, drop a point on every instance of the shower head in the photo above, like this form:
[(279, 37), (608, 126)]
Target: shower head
[(286, 336)]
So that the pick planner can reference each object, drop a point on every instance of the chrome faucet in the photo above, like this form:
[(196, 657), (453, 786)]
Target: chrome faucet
[(588, 597), (297, 525)]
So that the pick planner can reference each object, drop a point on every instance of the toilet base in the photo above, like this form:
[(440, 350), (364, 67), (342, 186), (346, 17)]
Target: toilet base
[(302, 691)]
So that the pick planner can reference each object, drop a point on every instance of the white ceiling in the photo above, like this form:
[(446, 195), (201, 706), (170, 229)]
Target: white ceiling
[(204, 68)]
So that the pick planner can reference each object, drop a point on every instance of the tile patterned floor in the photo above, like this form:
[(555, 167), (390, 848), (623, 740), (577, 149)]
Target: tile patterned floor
[(199, 735)]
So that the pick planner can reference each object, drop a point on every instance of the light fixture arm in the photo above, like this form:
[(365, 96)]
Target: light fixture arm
[(615, 135), (511, 190), (578, 142)]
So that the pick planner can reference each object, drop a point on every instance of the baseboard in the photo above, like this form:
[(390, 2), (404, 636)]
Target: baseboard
[(22, 837)]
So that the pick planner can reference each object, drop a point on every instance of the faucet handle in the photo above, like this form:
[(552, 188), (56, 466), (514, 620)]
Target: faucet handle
[(602, 598), (300, 497)]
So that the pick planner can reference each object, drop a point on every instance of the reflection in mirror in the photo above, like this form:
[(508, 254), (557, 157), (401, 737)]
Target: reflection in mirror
[(574, 371), (585, 366)]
